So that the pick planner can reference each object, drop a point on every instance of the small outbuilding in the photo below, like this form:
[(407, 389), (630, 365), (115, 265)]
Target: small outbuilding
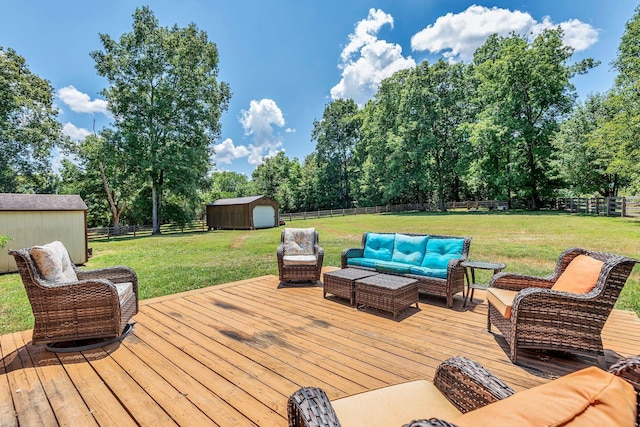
[(37, 219), (242, 213)]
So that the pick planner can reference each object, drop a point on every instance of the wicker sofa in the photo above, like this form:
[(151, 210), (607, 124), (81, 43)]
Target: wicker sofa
[(463, 393), (433, 260)]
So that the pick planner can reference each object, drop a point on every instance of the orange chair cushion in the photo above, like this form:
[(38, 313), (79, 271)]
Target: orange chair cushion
[(502, 300), (580, 276), (589, 397)]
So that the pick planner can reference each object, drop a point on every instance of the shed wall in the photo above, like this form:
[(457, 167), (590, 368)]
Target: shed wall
[(30, 228), (229, 217)]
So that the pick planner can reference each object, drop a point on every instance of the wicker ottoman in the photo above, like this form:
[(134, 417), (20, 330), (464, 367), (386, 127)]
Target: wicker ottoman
[(387, 292), (341, 283)]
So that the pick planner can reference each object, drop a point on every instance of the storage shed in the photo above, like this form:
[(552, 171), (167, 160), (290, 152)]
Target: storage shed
[(37, 219), (242, 213)]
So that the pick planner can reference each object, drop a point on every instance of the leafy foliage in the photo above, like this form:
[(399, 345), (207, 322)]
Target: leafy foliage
[(28, 127), (166, 103)]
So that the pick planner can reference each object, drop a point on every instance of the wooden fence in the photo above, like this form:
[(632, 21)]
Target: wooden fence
[(108, 233), (609, 206)]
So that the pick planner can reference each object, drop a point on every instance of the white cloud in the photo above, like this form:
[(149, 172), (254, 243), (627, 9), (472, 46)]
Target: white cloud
[(74, 132), (226, 151), (458, 35), (81, 102), (366, 60), (258, 122)]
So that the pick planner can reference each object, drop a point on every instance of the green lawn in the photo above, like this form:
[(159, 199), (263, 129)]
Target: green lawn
[(526, 242)]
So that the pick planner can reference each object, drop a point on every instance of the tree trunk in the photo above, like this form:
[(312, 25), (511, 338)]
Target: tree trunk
[(155, 200), (115, 213)]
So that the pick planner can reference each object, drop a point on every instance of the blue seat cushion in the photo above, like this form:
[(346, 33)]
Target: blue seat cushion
[(409, 249), (362, 262), (440, 273), (440, 251), (392, 267), (379, 246)]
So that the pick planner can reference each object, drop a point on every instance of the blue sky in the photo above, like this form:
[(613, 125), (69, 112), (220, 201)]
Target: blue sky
[(286, 59)]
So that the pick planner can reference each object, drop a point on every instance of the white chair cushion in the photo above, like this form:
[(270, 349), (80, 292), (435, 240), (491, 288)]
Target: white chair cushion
[(53, 262), (299, 260), (125, 290)]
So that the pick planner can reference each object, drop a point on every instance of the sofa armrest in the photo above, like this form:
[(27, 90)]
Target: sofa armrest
[(310, 407), (351, 253), (468, 385)]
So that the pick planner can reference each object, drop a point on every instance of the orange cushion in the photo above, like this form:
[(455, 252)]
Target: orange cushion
[(502, 300), (580, 276), (589, 397)]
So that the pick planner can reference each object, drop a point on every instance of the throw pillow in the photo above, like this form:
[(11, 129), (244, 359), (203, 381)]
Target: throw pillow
[(580, 276), (299, 241), (53, 262)]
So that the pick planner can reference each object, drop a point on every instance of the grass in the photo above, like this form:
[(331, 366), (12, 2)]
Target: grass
[(528, 243)]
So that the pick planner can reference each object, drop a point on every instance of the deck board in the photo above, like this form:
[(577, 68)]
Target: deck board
[(229, 355)]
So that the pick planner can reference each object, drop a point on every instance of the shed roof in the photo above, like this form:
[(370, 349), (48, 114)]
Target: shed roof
[(41, 202), (235, 201)]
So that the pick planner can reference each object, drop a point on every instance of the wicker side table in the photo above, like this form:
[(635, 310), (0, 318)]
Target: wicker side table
[(387, 292), (341, 283)]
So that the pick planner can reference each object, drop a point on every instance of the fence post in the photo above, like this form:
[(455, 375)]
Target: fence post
[(624, 206)]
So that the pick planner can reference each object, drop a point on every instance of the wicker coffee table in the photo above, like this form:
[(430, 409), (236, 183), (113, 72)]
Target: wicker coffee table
[(386, 292), (341, 283)]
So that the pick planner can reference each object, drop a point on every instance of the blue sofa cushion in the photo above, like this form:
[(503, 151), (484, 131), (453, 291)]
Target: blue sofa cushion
[(379, 246), (440, 273), (362, 262), (409, 249), (392, 267), (440, 251)]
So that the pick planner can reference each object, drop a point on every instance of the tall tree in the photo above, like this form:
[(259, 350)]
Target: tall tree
[(28, 125), (621, 134), (526, 90), (166, 101), (336, 136)]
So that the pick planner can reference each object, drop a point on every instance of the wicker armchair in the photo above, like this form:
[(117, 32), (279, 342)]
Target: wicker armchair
[(543, 318), (464, 383), (98, 305), (299, 255)]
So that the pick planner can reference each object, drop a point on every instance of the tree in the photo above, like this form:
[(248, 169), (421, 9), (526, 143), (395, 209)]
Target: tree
[(336, 136), (103, 164), (28, 125), (166, 103), (584, 156), (271, 174), (525, 91), (621, 134)]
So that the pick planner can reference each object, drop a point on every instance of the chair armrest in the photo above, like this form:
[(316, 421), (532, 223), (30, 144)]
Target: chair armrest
[(119, 274), (280, 251), (431, 422), (351, 253), (468, 385), (629, 370), (310, 407), (319, 254), (517, 282)]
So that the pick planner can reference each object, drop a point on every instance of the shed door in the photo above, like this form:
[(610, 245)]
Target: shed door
[(264, 217)]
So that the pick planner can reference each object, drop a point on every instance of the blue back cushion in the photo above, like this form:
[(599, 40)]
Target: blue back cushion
[(440, 251), (379, 246), (409, 249)]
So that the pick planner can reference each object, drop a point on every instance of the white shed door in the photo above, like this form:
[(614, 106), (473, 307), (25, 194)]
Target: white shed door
[(264, 217)]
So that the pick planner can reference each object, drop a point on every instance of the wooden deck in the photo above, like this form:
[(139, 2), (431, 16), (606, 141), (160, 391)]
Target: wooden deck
[(230, 355)]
